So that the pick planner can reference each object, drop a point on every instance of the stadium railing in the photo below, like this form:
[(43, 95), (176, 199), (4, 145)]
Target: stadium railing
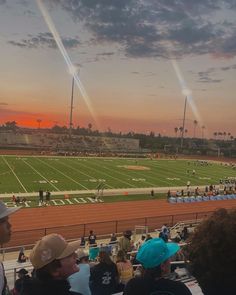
[(72, 232)]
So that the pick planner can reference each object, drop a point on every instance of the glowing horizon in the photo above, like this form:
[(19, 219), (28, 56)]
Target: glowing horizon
[(137, 73)]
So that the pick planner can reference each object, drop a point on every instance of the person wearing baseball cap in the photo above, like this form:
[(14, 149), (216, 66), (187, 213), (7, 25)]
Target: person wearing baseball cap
[(54, 260), (154, 255), (5, 226), (79, 281), (5, 236)]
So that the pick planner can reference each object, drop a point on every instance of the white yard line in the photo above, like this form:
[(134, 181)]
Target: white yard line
[(63, 174), (85, 173), (14, 174), (35, 170), (117, 179)]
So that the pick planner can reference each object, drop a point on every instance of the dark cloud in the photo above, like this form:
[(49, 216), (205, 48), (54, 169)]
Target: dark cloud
[(3, 104), (44, 40), (231, 4), (225, 68), (2, 2), (204, 76), (105, 54), (30, 13), (232, 67), (209, 80), (163, 28)]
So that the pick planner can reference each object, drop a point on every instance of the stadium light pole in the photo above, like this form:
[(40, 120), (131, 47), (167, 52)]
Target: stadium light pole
[(182, 135), (71, 108)]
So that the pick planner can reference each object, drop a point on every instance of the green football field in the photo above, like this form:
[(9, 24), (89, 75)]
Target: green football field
[(29, 174)]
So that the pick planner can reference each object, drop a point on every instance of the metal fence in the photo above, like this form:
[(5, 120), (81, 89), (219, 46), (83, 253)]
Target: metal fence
[(70, 232)]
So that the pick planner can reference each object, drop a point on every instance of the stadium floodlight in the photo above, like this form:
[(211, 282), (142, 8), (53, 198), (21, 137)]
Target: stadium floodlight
[(71, 107), (186, 92), (66, 57)]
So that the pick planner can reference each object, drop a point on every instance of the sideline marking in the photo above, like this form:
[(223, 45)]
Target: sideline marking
[(88, 175), (63, 174), (112, 171), (14, 174), (48, 181)]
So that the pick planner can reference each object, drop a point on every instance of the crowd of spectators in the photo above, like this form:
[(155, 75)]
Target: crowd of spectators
[(142, 267), (225, 190)]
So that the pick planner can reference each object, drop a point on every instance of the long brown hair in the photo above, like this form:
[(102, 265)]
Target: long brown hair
[(121, 257), (104, 257)]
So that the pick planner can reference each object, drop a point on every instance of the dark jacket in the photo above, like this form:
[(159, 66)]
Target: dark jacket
[(104, 279), (148, 286), (49, 287)]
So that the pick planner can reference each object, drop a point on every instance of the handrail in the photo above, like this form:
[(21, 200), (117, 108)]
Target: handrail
[(114, 226)]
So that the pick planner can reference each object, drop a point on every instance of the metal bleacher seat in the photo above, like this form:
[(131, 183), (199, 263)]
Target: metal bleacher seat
[(205, 198), (192, 199), (199, 198), (186, 199), (172, 200), (179, 200), (13, 266)]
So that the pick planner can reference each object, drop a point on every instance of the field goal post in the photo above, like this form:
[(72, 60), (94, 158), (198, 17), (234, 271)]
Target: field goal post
[(140, 230)]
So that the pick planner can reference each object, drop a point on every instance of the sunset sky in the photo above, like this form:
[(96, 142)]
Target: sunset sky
[(137, 60)]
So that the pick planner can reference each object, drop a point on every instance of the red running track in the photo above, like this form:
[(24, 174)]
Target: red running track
[(30, 220)]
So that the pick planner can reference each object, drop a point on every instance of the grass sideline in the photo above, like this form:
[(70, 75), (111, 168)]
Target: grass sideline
[(34, 201)]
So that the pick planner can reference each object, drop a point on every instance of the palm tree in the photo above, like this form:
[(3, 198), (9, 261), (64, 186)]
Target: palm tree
[(215, 134), (181, 129), (176, 131), (203, 128), (224, 133), (229, 135), (39, 123), (89, 127), (195, 122)]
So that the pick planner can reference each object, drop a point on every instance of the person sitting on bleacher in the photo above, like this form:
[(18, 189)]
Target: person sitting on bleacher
[(154, 255), (125, 241), (22, 278), (79, 281), (124, 267), (5, 236), (184, 234), (54, 260), (113, 239), (139, 243), (104, 276), (212, 253), (21, 257), (82, 242), (164, 235), (92, 239)]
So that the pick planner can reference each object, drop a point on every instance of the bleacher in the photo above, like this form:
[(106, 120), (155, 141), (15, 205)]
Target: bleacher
[(62, 142), (12, 266), (193, 199)]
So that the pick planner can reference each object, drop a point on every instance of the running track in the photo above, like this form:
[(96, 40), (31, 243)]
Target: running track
[(32, 220)]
